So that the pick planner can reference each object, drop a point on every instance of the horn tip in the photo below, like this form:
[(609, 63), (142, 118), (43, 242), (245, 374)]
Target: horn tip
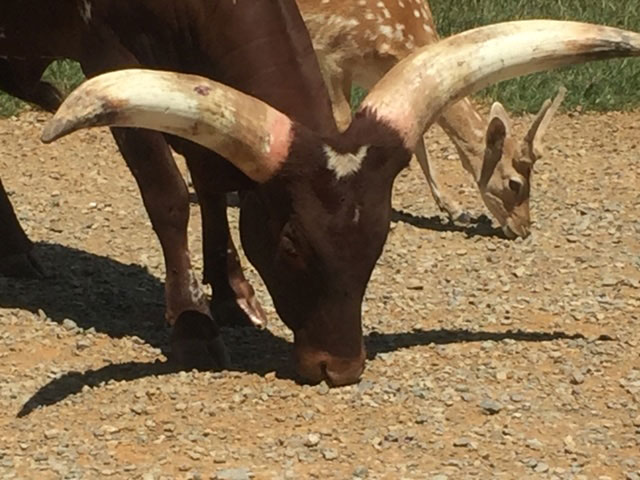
[(53, 130)]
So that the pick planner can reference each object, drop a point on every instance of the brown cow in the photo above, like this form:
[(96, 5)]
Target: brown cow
[(317, 219), (258, 46)]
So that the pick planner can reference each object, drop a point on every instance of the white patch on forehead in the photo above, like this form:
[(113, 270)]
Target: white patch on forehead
[(356, 215), (344, 164), (85, 10)]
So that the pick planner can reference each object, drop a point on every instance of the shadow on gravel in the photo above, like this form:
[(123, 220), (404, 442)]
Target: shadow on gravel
[(93, 291), (477, 226), (125, 300), (378, 343), (260, 352)]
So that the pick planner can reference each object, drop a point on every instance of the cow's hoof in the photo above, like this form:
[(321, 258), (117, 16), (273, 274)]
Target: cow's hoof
[(239, 312), (196, 343), (23, 265)]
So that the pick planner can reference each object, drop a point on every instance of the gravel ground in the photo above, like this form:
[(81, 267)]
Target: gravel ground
[(489, 359)]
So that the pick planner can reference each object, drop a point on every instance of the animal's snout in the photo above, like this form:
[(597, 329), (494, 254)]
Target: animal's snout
[(514, 230), (316, 365)]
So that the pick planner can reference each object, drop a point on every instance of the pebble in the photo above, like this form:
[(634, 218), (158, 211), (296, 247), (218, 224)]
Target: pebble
[(490, 407), (233, 474), (541, 468), (330, 454), (312, 440), (69, 324), (462, 442), (361, 472)]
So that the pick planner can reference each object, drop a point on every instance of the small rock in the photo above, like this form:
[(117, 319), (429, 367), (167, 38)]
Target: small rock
[(233, 474), (534, 444), (462, 442), (69, 324), (577, 378), (330, 454), (51, 434), (519, 272), (83, 344), (312, 440), (490, 407), (541, 468), (361, 472)]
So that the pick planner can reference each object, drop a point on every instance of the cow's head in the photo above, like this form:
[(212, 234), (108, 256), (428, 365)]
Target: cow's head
[(505, 179), (318, 222)]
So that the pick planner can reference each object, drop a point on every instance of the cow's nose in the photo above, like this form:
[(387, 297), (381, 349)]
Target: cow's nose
[(316, 366)]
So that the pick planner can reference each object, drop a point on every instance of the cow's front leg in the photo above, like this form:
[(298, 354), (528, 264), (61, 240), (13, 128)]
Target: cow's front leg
[(195, 338), (16, 258), (234, 300), (21, 78)]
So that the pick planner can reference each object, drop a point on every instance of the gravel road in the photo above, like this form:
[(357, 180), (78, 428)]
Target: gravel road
[(489, 359)]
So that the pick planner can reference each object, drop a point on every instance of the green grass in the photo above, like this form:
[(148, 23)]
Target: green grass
[(605, 85)]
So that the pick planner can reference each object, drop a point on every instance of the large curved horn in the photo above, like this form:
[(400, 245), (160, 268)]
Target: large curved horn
[(469, 61), (243, 129)]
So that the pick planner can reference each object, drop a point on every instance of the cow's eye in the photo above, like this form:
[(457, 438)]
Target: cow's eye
[(288, 246)]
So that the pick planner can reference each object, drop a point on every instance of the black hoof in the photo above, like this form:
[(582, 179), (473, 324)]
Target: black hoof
[(22, 265), (196, 343)]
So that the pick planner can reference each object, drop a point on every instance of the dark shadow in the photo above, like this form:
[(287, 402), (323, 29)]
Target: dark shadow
[(476, 226), (115, 299), (252, 351), (120, 300), (93, 291), (390, 342), (260, 352)]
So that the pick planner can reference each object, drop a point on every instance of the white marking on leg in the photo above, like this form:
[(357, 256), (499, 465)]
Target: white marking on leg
[(344, 164)]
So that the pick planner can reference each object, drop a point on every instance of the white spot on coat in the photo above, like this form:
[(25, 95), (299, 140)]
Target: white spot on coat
[(344, 164)]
